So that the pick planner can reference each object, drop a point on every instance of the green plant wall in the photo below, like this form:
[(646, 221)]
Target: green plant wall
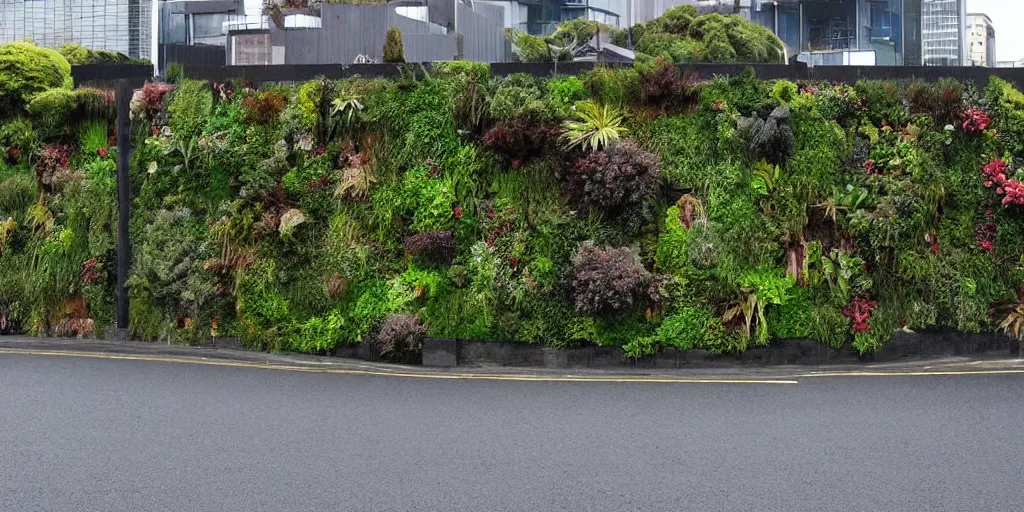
[(720, 215)]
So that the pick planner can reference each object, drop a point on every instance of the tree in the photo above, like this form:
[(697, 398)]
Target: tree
[(394, 52)]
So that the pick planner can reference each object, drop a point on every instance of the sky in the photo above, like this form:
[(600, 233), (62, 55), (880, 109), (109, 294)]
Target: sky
[(1007, 16)]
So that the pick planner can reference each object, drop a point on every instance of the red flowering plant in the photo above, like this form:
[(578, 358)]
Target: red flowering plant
[(974, 120), (859, 311), (996, 175)]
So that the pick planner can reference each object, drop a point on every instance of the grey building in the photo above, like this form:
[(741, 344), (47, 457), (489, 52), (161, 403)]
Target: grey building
[(541, 17), (837, 32), (944, 32), (981, 40), (343, 34), (123, 26)]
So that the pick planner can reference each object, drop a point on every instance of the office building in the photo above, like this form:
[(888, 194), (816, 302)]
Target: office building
[(542, 17), (837, 32), (123, 26), (981, 40), (944, 32)]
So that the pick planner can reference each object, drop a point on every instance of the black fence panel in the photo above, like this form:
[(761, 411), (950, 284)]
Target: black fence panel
[(106, 76), (191, 55)]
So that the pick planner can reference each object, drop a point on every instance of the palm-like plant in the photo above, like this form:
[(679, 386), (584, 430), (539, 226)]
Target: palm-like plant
[(597, 126), (347, 107)]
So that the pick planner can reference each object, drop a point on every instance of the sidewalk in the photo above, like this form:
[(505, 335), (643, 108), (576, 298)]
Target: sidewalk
[(21, 345)]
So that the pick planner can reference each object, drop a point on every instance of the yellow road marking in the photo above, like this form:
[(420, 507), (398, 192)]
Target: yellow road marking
[(339, 371), (914, 374)]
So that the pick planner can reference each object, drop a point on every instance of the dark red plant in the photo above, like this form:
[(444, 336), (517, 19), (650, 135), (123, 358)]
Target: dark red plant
[(621, 178), (457, 212), (52, 167), (859, 311), (869, 166), (435, 169), (670, 90), (13, 155), (321, 182), (90, 271), (609, 280), (435, 245), (265, 107), (153, 95), (985, 233), (519, 139), (102, 152), (975, 120)]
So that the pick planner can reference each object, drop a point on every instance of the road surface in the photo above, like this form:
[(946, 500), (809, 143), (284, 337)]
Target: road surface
[(84, 434)]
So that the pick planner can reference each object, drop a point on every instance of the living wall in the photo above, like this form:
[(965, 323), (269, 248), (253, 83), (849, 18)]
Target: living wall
[(630, 207)]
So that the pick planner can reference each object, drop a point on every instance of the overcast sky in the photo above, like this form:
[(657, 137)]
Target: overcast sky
[(1007, 16)]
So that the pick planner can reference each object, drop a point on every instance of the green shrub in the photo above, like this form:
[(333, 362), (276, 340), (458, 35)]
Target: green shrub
[(686, 329), (478, 71), (53, 113), (27, 70), (530, 48), (16, 194), (564, 92), (394, 52), (190, 107), (784, 91), (77, 55)]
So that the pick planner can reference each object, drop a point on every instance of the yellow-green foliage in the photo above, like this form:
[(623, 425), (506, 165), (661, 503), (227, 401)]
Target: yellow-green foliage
[(27, 70), (393, 50), (682, 36), (52, 112), (190, 108)]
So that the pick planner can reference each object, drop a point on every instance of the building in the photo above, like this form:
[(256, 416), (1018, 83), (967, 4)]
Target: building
[(123, 26), (981, 40), (542, 17), (843, 32), (944, 33)]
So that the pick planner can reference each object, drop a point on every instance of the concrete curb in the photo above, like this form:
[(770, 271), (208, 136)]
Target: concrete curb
[(903, 347)]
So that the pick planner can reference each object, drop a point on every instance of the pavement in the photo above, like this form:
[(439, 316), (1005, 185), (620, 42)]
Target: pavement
[(90, 426)]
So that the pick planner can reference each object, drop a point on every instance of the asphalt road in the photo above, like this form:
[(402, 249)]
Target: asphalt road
[(79, 434)]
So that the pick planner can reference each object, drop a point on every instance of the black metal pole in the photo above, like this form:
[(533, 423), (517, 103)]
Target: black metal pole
[(124, 250)]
